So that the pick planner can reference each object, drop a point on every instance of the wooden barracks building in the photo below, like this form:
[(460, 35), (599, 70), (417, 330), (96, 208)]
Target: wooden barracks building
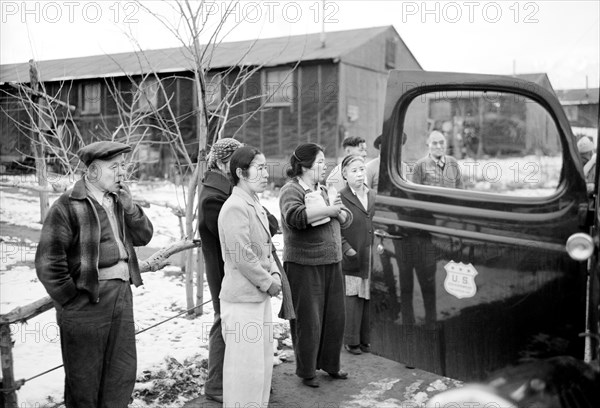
[(324, 91)]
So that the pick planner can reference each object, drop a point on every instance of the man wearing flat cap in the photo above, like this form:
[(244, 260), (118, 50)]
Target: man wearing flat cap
[(86, 261)]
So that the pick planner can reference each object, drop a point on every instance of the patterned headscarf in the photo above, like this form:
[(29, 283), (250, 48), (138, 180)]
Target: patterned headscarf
[(222, 150)]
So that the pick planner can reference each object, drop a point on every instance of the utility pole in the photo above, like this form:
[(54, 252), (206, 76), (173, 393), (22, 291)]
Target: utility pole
[(323, 24)]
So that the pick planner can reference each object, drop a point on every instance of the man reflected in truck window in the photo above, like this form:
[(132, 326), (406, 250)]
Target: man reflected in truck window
[(588, 155), (586, 150), (437, 168)]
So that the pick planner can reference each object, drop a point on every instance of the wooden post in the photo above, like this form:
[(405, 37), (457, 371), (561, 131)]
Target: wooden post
[(41, 175), (36, 142), (8, 385), (8, 397)]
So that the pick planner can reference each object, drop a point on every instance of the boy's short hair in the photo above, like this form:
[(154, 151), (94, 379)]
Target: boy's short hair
[(353, 141)]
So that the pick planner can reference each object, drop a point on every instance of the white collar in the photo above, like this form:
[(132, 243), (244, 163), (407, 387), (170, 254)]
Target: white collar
[(354, 191)]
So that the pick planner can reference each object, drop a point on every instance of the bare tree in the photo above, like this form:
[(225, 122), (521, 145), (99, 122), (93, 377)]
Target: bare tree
[(150, 109), (191, 23), (53, 131)]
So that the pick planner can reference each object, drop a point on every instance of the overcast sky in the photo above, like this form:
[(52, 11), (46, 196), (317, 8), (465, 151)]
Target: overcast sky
[(561, 38)]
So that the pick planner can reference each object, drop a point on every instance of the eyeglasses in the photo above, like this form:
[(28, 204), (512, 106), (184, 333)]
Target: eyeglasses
[(260, 167)]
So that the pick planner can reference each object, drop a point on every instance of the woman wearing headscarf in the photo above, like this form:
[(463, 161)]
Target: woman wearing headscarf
[(216, 188), (251, 278), (312, 261)]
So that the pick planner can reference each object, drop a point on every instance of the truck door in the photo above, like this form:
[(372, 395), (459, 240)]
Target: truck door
[(470, 271)]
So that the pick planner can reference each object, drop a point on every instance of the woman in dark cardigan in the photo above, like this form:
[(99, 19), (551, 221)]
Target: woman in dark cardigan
[(357, 242), (312, 261)]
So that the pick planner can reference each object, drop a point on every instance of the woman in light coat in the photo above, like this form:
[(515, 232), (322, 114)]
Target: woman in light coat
[(251, 278)]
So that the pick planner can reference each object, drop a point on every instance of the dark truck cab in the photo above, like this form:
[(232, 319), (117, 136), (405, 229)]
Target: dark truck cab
[(501, 268)]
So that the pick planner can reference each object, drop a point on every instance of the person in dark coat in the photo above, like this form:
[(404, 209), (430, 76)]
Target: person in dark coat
[(357, 242), (312, 261), (86, 261), (216, 188)]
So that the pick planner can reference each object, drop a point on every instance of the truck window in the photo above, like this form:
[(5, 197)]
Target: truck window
[(494, 142)]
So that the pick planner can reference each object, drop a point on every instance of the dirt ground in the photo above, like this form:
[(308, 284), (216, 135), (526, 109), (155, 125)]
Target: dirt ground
[(373, 382)]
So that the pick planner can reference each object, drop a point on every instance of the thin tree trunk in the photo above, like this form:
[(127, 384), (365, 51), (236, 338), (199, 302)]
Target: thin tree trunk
[(200, 265), (189, 227)]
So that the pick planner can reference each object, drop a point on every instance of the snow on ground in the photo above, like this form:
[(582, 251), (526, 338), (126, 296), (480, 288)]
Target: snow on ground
[(529, 176), (37, 343)]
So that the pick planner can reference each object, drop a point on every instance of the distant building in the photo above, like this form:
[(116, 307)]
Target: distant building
[(581, 107), (319, 92), (471, 125)]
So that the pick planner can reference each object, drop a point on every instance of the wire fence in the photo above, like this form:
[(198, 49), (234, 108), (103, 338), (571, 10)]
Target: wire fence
[(17, 384)]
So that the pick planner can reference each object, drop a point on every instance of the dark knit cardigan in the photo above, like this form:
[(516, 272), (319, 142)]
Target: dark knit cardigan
[(66, 260), (303, 243)]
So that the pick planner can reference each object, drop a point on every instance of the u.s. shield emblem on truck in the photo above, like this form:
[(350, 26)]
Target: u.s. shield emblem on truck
[(460, 279)]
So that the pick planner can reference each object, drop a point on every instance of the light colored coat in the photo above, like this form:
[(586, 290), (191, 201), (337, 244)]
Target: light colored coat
[(246, 249)]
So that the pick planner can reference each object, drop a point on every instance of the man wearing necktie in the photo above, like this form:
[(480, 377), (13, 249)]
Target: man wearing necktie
[(86, 261), (437, 168)]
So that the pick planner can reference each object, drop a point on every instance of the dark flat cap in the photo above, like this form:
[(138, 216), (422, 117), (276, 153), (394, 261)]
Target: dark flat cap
[(101, 151)]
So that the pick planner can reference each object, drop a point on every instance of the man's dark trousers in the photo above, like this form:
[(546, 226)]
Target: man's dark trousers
[(98, 347), (418, 252)]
